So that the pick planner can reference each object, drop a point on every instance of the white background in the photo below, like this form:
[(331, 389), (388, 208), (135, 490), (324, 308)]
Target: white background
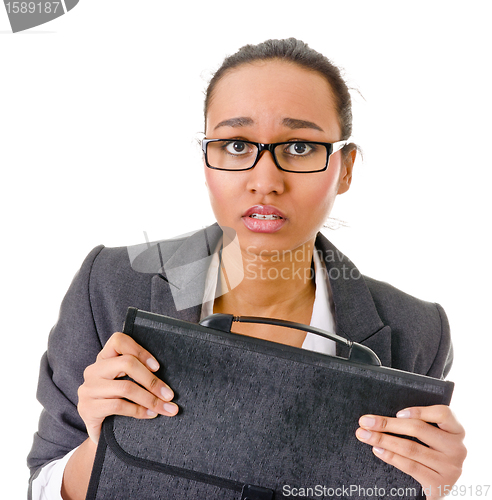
[(99, 111)]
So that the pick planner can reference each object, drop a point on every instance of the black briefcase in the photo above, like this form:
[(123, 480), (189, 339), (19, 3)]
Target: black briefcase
[(258, 420)]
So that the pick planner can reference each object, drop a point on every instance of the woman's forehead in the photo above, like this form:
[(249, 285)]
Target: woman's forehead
[(279, 92), (261, 77)]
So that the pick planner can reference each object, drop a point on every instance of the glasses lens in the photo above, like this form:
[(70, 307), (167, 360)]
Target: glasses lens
[(231, 155), (302, 156)]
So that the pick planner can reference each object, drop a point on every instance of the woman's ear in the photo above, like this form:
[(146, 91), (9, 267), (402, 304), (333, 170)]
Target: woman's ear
[(346, 171)]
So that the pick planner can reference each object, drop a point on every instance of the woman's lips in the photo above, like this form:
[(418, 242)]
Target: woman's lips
[(263, 219)]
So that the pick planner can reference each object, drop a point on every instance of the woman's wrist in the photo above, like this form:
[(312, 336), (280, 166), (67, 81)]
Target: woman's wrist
[(78, 471)]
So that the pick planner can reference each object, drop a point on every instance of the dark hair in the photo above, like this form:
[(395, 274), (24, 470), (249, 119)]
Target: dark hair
[(297, 52)]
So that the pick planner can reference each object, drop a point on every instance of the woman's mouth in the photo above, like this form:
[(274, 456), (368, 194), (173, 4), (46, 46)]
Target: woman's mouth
[(263, 219)]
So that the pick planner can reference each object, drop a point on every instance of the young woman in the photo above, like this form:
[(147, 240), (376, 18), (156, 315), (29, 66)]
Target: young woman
[(276, 155)]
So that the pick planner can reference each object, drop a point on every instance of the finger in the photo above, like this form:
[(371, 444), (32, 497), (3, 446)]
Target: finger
[(426, 433), (437, 414), (385, 445), (420, 472), (119, 344), (126, 389), (130, 401), (108, 407), (112, 368), (445, 473), (434, 437)]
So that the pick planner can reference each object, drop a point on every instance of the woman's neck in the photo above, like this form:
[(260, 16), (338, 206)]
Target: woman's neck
[(275, 284)]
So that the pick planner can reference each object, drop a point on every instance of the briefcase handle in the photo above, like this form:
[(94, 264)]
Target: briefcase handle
[(357, 353)]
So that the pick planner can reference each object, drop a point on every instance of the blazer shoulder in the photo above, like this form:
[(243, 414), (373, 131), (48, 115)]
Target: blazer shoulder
[(128, 270), (113, 285), (391, 301), (420, 329), (133, 276), (116, 264)]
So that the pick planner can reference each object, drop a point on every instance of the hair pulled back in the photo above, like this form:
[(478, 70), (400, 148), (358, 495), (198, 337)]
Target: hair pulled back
[(297, 52)]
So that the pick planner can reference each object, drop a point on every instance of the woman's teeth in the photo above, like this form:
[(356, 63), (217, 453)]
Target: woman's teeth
[(265, 217)]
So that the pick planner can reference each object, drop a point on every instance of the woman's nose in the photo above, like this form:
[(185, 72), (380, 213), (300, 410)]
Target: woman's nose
[(265, 177)]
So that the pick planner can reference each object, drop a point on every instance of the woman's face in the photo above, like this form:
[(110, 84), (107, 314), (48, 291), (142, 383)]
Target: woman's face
[(273, 101)]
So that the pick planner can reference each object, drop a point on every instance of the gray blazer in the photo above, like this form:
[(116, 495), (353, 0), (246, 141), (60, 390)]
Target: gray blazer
[(406, 333)]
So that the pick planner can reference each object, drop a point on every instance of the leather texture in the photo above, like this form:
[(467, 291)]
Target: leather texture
[(255, 413)]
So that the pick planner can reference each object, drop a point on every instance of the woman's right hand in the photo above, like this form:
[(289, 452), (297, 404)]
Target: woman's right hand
[(102, 394)]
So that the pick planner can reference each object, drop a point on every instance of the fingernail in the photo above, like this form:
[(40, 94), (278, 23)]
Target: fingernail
[(367, 422), (167, 393), (170, 408), (363, 434), (403, 414), (151, 413), (378, 451), (152, 364)]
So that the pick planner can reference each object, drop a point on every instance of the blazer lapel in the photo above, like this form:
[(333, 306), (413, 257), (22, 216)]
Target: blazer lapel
[(356, 316), (177, 290)]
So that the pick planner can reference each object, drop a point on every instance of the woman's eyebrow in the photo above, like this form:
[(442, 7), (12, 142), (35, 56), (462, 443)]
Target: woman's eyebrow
[(294, 123), (241, 121)]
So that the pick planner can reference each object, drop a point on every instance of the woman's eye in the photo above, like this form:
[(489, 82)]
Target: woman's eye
[(299, 149), (236, 147)]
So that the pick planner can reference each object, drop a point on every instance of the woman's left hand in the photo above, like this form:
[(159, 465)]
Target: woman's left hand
[(436, 467)]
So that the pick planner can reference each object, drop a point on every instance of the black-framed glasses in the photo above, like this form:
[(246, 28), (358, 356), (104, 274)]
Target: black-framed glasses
[(301, 157)]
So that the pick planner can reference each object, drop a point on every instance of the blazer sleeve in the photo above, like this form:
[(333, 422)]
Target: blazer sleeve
[(444, 356), (73, 344)]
